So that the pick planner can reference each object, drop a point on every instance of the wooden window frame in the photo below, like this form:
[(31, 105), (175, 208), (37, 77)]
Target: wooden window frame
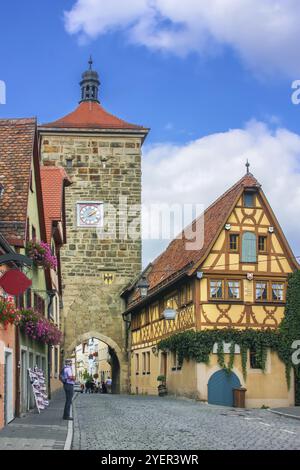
[(231, 250), (225, 297), (216, 299), (269, 298), (137, 363), (244, 199), (266, 251)]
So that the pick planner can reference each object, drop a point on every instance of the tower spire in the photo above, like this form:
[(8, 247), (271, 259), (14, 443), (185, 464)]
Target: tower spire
[(248, 167), (90, 84)]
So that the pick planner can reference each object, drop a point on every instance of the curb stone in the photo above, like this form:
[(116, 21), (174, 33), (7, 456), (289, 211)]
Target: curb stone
[(69, 438)]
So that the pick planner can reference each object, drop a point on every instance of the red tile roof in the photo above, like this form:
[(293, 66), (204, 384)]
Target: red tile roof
[(90, 114), (176, 258), (53, 181), (16, 153)]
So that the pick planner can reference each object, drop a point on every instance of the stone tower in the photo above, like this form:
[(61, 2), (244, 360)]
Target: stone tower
[(102, 156)]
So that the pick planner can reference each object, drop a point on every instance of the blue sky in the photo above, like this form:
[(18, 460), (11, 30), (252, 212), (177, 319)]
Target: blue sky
[(182, 93)]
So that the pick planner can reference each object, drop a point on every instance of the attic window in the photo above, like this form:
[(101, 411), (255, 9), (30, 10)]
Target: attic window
[(248, 199)]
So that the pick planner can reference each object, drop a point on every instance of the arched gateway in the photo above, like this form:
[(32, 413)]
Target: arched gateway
[(102, 156)]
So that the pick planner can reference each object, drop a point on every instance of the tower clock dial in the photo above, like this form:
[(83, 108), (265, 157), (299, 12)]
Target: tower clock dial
[(89, 214)]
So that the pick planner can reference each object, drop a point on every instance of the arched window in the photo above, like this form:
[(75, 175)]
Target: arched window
[(249, 248)]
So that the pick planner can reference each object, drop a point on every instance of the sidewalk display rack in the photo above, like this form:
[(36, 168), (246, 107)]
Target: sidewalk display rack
[(38, 383)]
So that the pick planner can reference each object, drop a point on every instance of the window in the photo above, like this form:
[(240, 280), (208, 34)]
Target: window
[(136, 322), (148, 363), (28, 298), (277, 291), (226, 289), (182, 295), (233, 289), (234, 242), (262, 243), (189, 293), (175, 363), (137, 364), (39, 304), (261, 290), (33, 233), (56, 366), (248, 199), (249, 248), (216, 289), (144, 365), (69, 163), (270, 291), (255, 362)]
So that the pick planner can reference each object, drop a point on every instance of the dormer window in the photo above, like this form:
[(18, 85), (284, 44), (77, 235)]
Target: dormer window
[(248, 199)]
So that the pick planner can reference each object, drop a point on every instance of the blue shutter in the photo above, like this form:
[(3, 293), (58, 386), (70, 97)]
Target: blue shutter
[(249, 248)]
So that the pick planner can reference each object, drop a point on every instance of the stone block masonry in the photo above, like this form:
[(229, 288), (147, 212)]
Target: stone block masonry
[(102, 168)]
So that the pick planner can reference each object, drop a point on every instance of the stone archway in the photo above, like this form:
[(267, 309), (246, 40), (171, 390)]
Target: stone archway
[(118, 357)]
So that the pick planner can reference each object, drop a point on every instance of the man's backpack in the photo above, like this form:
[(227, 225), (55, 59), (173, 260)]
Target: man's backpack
[(62, 376)]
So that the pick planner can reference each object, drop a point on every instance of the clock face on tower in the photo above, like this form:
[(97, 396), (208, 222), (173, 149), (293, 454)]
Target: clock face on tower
[(89, 214)]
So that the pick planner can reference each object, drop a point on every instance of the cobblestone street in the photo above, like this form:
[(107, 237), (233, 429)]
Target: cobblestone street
[(118, 422)]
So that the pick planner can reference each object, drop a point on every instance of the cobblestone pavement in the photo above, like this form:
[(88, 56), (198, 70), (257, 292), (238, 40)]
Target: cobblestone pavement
[(118, 422)]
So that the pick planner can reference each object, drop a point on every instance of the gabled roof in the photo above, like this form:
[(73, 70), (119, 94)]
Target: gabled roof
[(16, 152), (91, 115), (54, 179), (176, 259)]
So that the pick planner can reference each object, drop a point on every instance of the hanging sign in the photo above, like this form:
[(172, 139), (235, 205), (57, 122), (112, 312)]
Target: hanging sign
[(14, 282)]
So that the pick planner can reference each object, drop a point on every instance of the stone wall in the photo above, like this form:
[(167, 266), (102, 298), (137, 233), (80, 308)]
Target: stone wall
[(97, 265)]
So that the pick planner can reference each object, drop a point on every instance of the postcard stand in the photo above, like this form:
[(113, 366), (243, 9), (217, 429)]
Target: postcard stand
[(38, 383)]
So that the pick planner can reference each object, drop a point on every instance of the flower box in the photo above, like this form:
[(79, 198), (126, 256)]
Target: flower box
[(40, 253), (39, 328), (8, 313)]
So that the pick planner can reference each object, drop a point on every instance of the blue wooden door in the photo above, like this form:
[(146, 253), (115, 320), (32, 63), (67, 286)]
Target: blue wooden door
[(220, 388)]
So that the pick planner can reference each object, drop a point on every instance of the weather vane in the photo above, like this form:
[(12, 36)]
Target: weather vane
[(91, 62), (248, 166)]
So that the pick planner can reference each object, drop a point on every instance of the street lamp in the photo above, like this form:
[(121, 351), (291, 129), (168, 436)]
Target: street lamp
[(143, 286)]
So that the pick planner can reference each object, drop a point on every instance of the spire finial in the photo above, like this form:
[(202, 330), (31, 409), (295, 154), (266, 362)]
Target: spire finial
[(90, 84), (248, 166)]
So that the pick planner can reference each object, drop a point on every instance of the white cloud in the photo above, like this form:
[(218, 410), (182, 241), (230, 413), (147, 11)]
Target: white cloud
[(264, 33), (203, 169)]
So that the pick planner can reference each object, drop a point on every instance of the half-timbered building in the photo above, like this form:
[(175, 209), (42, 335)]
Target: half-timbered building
[(236, 279)]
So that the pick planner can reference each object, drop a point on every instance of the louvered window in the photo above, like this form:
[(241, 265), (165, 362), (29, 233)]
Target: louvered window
[(249, 248)]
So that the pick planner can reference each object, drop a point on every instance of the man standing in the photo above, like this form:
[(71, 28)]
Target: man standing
[(68, 380)]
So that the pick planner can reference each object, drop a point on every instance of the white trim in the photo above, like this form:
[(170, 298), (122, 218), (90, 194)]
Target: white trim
[(101, 208)]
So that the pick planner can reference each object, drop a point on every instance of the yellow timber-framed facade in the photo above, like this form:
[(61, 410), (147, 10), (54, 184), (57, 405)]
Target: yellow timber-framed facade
[(237, 279)]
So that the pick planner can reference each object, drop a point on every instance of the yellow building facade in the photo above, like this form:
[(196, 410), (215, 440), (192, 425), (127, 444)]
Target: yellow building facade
[(237, 279)]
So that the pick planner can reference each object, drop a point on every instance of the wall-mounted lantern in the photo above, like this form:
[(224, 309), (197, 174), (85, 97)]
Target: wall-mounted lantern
[(143, 287)]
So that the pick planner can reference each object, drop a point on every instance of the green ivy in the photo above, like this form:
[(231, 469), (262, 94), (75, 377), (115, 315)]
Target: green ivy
[(198, 345), (290, 329)]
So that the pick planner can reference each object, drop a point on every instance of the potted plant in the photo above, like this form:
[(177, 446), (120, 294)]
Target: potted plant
[(162, 388)]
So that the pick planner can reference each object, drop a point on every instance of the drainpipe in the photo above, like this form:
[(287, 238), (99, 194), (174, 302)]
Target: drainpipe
[(18, 371)]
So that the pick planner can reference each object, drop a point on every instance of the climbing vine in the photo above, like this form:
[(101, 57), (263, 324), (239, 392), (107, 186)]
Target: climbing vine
[(198, 345), (290, 329)]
